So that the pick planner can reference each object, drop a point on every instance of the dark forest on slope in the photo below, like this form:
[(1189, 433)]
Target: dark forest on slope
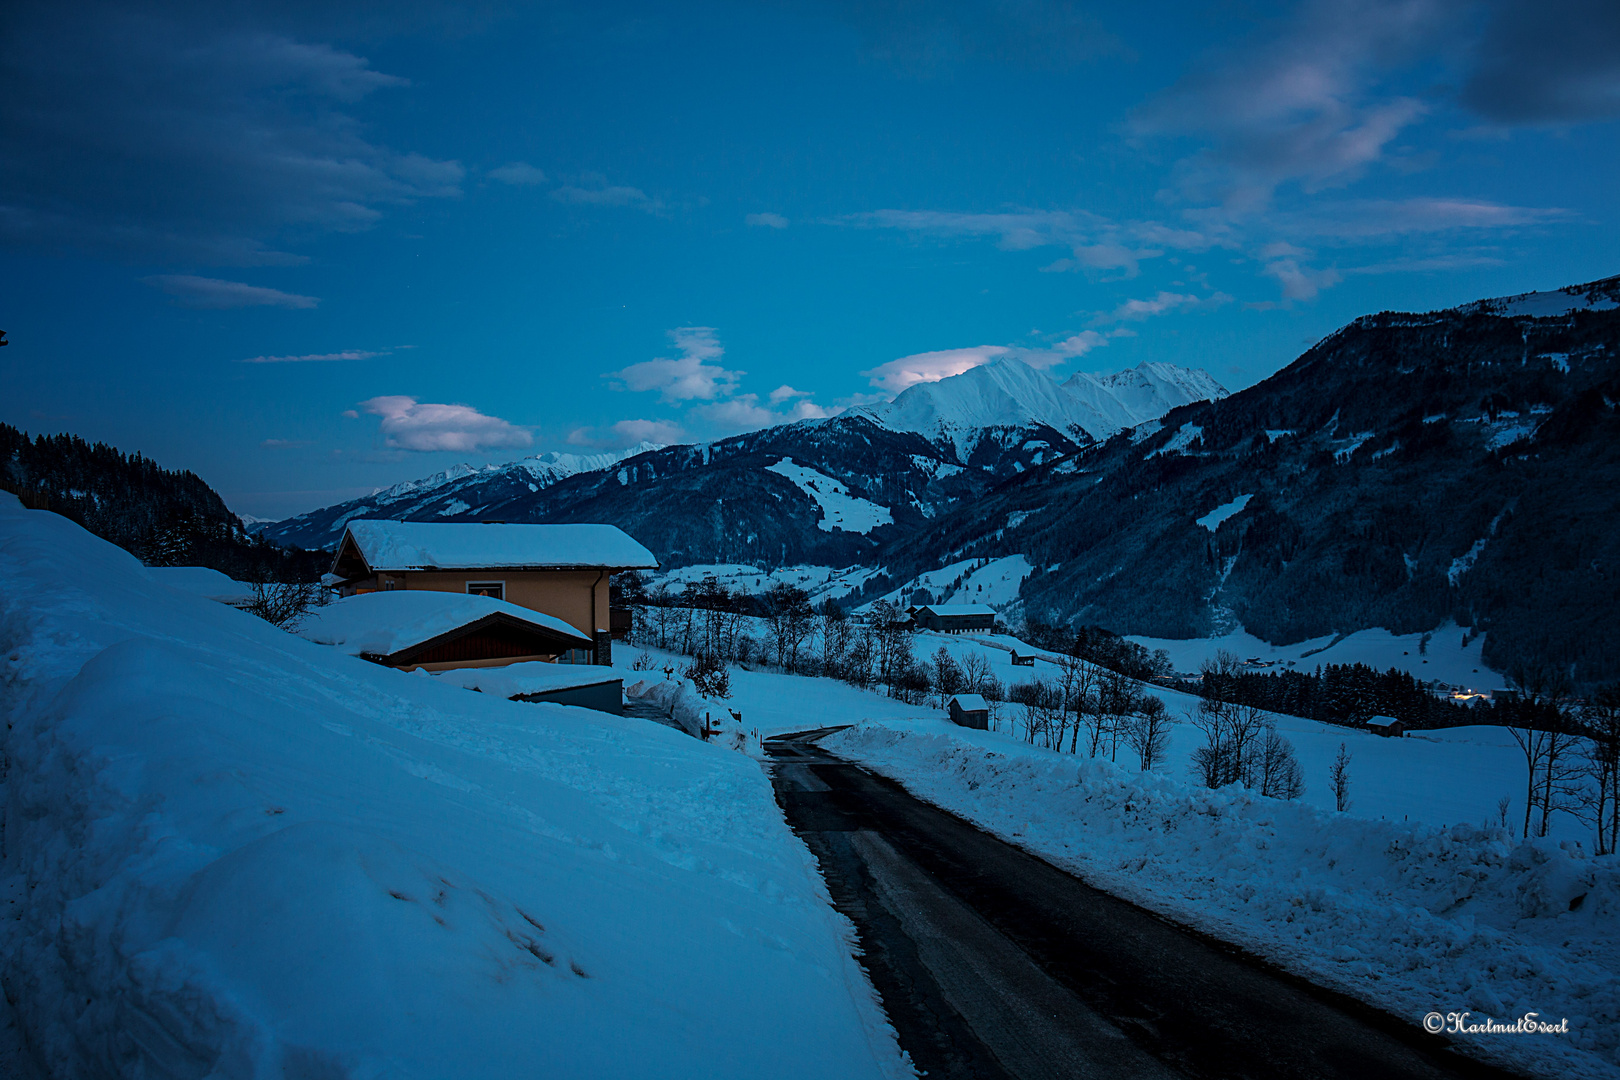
[(163, 517)]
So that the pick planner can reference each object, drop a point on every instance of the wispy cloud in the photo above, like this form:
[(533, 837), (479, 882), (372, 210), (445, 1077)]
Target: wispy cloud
[(315, 358), (594, 190), (133, 128), (628, 433), (408, 424), (518, 174), (686, 377), (213, 293), (766, 220), (1163, 303)]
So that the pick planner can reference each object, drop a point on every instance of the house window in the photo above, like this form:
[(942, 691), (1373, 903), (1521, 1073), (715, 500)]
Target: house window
[(575, 656), (496, 589)]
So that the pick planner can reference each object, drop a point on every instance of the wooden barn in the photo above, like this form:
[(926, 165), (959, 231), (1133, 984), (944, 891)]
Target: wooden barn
[(969, 711), (1386, 725), (953, 618), (439, 631)]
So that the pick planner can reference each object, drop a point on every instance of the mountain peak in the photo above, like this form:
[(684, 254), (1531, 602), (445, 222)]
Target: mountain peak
[(1009, 393)]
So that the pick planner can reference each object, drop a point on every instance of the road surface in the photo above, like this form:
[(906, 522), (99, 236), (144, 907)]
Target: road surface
[(993, 964)]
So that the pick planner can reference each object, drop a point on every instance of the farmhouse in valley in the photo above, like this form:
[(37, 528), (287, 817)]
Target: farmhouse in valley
[(953, 618), (560, 570)]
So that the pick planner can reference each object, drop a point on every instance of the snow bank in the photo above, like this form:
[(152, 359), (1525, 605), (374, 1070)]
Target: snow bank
[(202, 581), (231, 852), (1411, 919)]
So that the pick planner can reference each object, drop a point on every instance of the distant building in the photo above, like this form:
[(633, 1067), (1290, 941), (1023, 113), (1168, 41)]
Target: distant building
[(560, 570), (953, 618), (969, 711), (1386, 725)]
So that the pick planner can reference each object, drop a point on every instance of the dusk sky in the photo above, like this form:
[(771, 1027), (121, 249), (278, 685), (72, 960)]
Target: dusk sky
[(307, 254)]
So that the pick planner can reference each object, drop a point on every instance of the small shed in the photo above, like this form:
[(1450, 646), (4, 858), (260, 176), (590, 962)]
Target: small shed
[(954, 618), (1386, 725), (970, 711), (585, 685), (437, 630)]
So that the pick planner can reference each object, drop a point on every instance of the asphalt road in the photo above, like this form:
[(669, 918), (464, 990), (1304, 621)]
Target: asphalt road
[(992, 963)]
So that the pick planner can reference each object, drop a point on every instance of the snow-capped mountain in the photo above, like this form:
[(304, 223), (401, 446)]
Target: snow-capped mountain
[(1009, 395), (1409, 470)]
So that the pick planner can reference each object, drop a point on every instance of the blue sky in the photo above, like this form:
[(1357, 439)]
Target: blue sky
[(306, 254)]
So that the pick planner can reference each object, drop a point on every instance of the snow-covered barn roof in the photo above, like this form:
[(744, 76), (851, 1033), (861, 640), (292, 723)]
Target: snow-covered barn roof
[(1381, 721), (970, 702), (426, 545), (384, 624), (947, 610)]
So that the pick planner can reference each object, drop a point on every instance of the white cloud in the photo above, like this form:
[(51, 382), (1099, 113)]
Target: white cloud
[(785, 392), (215, 294), (518, 174), (926, 367), (688, 376), (307, 358), (767, 220), (408, 424)]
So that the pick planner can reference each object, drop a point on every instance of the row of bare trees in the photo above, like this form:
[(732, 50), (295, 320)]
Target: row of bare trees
[(1571, 754), (1089, 709), (1241, 742), (781, 628)]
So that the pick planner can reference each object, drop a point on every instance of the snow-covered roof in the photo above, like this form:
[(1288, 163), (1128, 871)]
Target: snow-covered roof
[(970, 702), (423, 545), (530, 677), (383, 623), (1381, 721), (958, 609), (201, 581)]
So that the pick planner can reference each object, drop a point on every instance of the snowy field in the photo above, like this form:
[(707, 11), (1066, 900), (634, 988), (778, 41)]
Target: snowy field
[(1443, 657), (821, 582), (232, 852), (972, 581), (1410, 918)]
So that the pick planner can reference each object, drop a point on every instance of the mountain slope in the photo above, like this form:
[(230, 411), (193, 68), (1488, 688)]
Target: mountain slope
[(912, 460), (1407, 469), (459, 493)]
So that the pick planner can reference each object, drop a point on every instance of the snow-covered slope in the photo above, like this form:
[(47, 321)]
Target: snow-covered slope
[(1596, 296), (231, 852), (1008, 393), (457, 492)]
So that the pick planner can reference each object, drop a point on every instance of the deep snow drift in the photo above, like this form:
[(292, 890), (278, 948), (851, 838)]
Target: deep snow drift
[(231, 852), (1409, 918)]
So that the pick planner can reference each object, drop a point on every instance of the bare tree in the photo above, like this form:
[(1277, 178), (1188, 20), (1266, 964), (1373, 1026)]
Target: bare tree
[(1148, 731), (1275, 769), (1541, 732), (1339, 777), (948, 677), (1600, 802), (284, 603)]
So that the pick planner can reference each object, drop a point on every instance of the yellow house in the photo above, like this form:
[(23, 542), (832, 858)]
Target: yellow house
[(560, 570)]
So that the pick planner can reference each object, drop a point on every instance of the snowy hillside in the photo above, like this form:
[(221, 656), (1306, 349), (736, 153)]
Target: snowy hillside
[(234, 852), (1008, 393), (457, 493)]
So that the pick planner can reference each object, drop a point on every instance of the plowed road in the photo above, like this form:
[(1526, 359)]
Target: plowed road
[(992, 963)]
